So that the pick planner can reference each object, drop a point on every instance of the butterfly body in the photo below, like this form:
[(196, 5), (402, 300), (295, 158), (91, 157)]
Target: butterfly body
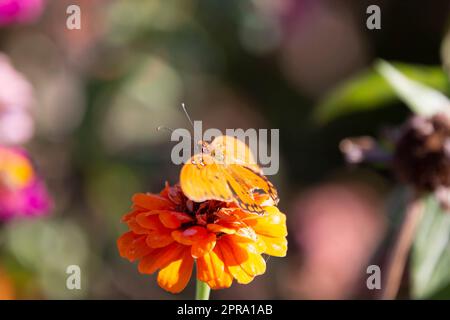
[(225, 170)]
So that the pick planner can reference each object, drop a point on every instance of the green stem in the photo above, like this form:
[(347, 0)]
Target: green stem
[(202, 291)]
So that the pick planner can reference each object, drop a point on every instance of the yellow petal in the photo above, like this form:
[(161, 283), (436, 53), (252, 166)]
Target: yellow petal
[(223, 282), (233, 267), (175, 276), (210, 267), (275, 246), (247, 256), (225, 279), (217, 228), (272, 224), (255, 265)]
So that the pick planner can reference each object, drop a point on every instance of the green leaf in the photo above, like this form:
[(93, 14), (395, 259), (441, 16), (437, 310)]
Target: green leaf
[(369, 90), (445, 51), (420, 98), (441, 294), (430, 257)]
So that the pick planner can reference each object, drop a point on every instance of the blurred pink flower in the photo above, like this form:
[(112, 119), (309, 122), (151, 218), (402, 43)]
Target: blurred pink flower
[(338, 228), (16, 98), (20, 11), (22, 192)]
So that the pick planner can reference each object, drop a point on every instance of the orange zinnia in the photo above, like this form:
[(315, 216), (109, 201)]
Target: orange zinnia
[(168, 232)]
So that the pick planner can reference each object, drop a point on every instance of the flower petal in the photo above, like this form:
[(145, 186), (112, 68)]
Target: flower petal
[(136, 227), (203, 246), (151, 201), (247, 255), (273, 224), (149, 221), (255, 265), (225, 281), (175, 276), (240, 253), (247, 234), (172, 219), (132, 246), (159, 239), (275, 246), (165, 192), (190, 235), (234, 268), (124, 242), (210, 266), (217, 228), (158, 235), (160, 258), (130, 215)]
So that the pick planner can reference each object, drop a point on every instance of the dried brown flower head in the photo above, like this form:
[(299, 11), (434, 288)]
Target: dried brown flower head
[(422, 153)]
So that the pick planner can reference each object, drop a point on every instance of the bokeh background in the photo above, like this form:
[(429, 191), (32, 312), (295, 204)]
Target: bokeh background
[(100, 92)]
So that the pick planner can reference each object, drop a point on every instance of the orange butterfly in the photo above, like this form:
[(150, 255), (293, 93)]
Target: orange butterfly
[(225, 170)]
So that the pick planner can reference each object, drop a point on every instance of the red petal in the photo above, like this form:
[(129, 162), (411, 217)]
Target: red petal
[(149, 221), (190, 235), (133, 246), (151, 201), (173, 219), (160, 258), (159, 239)]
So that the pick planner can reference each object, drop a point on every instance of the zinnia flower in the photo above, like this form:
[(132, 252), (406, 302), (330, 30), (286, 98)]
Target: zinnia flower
[(16, 98), (22, 193), (20, 11), (168, 232)]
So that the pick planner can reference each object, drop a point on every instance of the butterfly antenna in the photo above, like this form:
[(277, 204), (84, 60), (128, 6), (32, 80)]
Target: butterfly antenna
[(170, 130), (192, 124), (164, 128), (187, 115)]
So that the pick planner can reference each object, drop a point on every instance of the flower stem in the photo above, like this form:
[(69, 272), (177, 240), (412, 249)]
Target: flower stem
[(399, 255), (202, 291)]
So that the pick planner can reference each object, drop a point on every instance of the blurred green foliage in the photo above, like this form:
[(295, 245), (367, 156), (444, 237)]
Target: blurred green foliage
[(369, 90), (430, 261)]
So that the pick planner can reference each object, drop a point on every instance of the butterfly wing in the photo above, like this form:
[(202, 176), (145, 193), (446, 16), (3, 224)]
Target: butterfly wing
[(251, 182), (228, 172), (202, 179), (242, 166), (230, 150)]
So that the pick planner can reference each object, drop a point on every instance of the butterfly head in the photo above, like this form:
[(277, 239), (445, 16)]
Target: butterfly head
[(204, 147)]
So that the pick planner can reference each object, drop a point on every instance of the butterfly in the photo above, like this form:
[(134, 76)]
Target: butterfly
[(226, 170)]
